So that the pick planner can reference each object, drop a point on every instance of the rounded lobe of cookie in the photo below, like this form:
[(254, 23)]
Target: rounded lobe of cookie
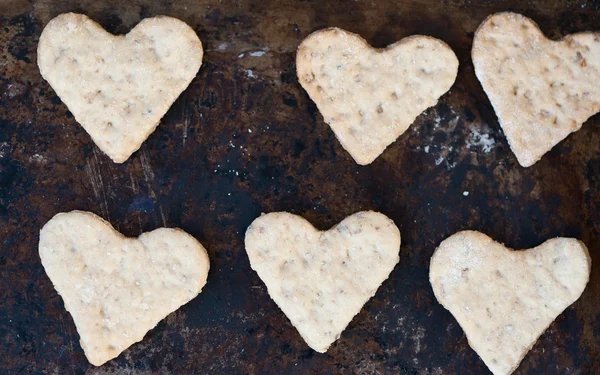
[(369, 96)]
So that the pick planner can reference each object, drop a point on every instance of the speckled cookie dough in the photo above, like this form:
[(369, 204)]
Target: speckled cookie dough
[(371, 96), (505, 299), (118, 288), (321, 280), (541, 90), (118, 87)]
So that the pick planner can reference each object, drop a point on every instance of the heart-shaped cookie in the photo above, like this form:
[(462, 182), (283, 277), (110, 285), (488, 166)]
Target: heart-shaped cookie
[(118, 288), (371, 96), (505, 299), (541, 90), (321, 280), (118, 87)]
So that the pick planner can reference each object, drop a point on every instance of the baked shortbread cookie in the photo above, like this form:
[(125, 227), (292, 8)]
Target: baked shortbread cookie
[(321, 280), (118, 288), (118, 87), (505, 299), (541, 90), (371, 96)]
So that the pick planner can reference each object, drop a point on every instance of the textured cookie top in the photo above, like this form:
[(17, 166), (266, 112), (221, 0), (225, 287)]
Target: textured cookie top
[(505, 299), (118, 87), (370, 96), (118, 288), (541, 90), (320, 280)]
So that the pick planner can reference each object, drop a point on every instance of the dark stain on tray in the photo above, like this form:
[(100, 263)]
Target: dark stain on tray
[(244, 138)]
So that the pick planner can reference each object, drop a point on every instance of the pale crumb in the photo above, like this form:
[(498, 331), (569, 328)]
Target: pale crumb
[(476, 139)]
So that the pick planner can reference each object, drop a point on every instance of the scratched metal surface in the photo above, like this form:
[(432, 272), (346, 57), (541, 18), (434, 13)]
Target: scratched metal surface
[(244, 138)]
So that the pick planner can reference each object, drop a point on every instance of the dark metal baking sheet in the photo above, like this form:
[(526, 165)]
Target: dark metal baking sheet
[(244, 138)]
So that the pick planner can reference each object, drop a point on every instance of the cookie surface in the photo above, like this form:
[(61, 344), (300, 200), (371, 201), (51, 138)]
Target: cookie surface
[(505, 299), (541, 90), (118, 87), (321, 280), (118, 288), (371, 96)]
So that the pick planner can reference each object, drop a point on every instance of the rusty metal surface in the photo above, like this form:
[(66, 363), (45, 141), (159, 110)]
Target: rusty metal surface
[(244, 138)]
